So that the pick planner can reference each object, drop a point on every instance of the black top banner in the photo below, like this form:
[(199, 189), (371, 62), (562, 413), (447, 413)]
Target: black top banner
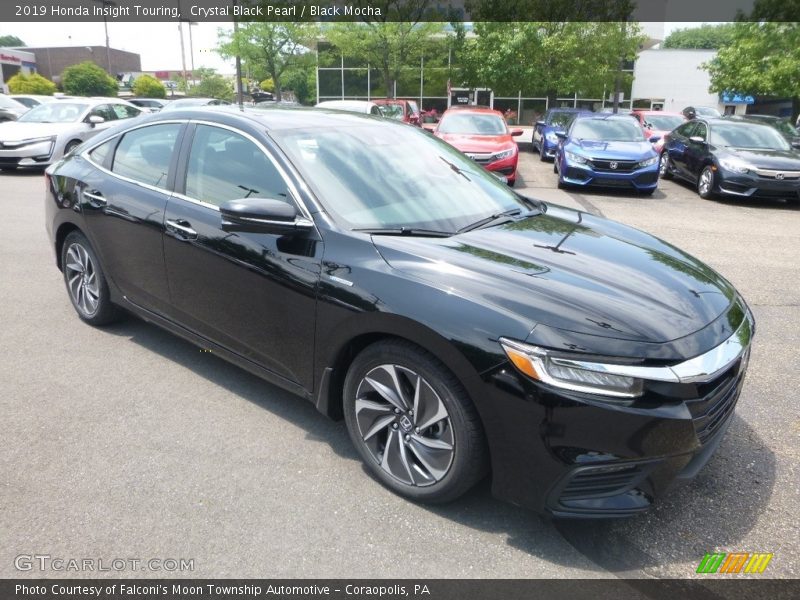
[(398, 10)]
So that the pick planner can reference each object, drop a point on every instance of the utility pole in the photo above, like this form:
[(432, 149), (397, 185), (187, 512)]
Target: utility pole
[(106, 4), (183, 55), (239, 98), (618, 78)]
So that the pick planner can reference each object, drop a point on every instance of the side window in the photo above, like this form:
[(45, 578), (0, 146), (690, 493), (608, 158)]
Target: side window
[(100, 154), (104, 110), (375, 111), (686, 129), (701, 131), (224, 165), (123, 111), (144, 154)]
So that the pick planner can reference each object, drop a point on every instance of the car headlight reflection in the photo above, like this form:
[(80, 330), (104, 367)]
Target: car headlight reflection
[(734, 164), (504, 154), (648, 162)]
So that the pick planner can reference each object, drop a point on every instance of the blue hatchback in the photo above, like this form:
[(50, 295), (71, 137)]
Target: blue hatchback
[(607, 151), (545, 132)]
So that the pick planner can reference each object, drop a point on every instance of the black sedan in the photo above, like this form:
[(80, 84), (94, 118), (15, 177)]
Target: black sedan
[(733, 158), (459, 328)]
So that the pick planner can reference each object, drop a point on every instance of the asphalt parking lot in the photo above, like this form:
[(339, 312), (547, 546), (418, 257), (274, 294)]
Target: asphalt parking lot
[(129, 442)]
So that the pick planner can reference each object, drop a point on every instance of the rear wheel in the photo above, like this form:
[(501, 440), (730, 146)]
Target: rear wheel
[(412, 422), (85, 281), (705, 184)]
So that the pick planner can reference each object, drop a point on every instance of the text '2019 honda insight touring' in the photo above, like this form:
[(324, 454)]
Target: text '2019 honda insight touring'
[(460, 329)]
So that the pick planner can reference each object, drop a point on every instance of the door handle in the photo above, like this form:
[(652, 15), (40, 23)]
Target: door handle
[(182, 228), (96, 197)]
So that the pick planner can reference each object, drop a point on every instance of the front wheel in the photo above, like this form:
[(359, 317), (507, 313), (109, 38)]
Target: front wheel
[(664, 166), (86, 283), (705, 184), (412, 423), (542, 152)]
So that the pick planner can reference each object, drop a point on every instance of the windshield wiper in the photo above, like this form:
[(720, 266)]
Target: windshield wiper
[(410, 231), (455, 168), (494, 219)]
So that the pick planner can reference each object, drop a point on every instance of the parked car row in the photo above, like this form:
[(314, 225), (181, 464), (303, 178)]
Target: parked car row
[(45, 133)]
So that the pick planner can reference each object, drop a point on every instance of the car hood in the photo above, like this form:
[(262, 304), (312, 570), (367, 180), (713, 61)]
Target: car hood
[(478, 143), (16, 131), (768, 159), (612, 150), (571, 271)]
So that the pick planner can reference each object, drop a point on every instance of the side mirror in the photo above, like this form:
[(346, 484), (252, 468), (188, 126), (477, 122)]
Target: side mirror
[(654, 138), (95, 120), (539, 123), (562, 135), (516, 132), (697, 139), (262, 215)]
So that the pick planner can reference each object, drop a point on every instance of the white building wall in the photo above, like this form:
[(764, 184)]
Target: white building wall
[(675, 77)]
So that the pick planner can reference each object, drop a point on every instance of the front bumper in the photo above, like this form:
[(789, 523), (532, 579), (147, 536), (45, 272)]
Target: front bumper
[(570, 454), (578, 174), (38, 154), (762, 184)]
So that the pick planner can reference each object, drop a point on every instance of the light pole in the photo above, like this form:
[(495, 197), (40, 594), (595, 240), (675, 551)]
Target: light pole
[(239, 98), (106, 4), (183, 54), (191, 46)]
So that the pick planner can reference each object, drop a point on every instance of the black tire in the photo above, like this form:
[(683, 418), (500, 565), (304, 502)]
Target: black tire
[(542, 153), (89, 296), (555, 164), (646, 192), (467, 455), (71, 146), (706, 191), (665, 172)]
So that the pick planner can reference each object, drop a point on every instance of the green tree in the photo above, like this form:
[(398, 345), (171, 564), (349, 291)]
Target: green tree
[(302, 80), (267, 85), (212, 85), (762, 58), (399, 40), (706, 37), (87, 79), (31, 84), (10, 41), (269, 47), (549, 57), (147, 86)]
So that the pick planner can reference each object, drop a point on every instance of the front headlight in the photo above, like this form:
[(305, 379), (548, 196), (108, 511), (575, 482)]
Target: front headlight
[(575, 158), (649, 162), (28, 142), (736, 165), (574, 375), (504, 154)]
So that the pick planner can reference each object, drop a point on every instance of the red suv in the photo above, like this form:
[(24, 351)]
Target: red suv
[(406, 111), (483, 135)]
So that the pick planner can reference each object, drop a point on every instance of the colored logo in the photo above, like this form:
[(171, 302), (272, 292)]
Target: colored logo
[(734, 562)]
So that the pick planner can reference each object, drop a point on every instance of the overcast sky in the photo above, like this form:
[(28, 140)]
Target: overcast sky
[(157, 43)]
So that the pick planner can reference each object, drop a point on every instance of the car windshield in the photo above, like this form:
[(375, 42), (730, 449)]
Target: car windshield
[(393, 111), (663, 122), (784, 127), (747, 135), (382, 176), (473, 124), (707, 111), (55, 112), (608, 130), (560, 119)]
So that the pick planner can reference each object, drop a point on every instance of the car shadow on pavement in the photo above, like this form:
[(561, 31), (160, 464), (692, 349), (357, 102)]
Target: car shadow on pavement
[(716, 510), (733, 201)]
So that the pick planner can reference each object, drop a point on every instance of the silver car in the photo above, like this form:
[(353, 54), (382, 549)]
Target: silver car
[(10, 109), (49, 131)]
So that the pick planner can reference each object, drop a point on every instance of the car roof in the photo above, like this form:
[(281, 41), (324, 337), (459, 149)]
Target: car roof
[(276, 118)]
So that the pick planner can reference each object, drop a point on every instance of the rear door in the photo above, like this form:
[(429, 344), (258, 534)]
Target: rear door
[(124, 201), (252, 293)]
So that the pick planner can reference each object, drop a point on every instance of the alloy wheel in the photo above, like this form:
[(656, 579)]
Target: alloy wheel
[(706, 182), (82, 281), (663, 165), (404, 425)]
